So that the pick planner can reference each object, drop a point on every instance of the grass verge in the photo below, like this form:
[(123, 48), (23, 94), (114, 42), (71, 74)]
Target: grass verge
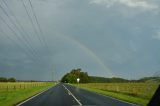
[(10, 98), (120, 96)]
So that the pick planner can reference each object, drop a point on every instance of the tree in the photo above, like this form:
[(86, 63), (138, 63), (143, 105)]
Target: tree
[(11, 80), (3, 79), (74, 74)]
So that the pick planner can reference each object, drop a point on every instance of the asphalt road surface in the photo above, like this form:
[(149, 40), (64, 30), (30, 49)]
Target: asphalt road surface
[(67, 95)]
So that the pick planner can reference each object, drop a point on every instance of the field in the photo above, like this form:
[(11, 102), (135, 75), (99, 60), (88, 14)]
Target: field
[(139, 93), (13, 93)]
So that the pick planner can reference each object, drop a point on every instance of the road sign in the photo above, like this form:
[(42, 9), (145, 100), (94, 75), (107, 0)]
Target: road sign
[(78, 79)]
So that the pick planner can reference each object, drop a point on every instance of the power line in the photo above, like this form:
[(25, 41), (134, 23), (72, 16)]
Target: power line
[(24, 31), (3, 20), (26, 42), (30, 18), (16, 44), (39, 27)]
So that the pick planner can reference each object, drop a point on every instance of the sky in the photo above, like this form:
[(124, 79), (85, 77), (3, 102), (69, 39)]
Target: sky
[(45, 39)]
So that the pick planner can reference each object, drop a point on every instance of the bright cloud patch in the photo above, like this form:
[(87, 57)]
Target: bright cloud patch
[(141, 4)]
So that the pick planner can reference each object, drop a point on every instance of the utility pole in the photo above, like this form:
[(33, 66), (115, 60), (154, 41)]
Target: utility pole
[(53, 72), (52, 76)]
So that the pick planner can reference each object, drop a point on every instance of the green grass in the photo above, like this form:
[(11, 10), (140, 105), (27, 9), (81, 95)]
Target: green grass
[(12, 97), (137, 93)]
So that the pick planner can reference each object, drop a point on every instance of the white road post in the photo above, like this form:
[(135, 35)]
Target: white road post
[(78, 79)]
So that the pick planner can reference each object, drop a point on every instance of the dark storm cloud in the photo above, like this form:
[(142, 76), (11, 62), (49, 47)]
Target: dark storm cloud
[(121, 36)]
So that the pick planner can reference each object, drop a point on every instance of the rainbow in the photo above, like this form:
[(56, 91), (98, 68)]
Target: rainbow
[(89, 52)]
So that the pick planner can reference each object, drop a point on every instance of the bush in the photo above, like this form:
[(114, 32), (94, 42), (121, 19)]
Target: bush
[(3, 79), (11, 80)]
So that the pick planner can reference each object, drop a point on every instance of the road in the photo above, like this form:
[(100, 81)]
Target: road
[(67, 95)]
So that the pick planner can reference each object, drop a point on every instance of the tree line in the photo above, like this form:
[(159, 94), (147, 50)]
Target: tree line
[(72, 76), (4, 79), (95, 79), (12, 79)]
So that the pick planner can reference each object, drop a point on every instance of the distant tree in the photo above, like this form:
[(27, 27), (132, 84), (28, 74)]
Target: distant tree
[(84, 78), (11, 80), (95, 79), (71, 78), (3, 79), (64, 78), (74, 74)]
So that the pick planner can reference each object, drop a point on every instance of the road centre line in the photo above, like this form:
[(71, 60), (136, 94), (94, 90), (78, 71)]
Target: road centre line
[(73, 96)]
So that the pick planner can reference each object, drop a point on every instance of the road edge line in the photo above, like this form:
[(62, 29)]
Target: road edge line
[(19, 104), (73, 95), (120, 100), (109, 96)]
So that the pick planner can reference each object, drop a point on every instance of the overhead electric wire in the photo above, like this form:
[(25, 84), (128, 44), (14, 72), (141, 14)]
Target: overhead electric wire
[(18, 45), (24, 31), (30, 18), (14, 32), (26, 42), (39, 27)]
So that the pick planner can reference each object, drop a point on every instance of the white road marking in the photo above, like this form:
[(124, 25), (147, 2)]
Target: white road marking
[(73, 96), (116, 99), (32, 97), (107, 96), (122, 101), (113, 98)]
